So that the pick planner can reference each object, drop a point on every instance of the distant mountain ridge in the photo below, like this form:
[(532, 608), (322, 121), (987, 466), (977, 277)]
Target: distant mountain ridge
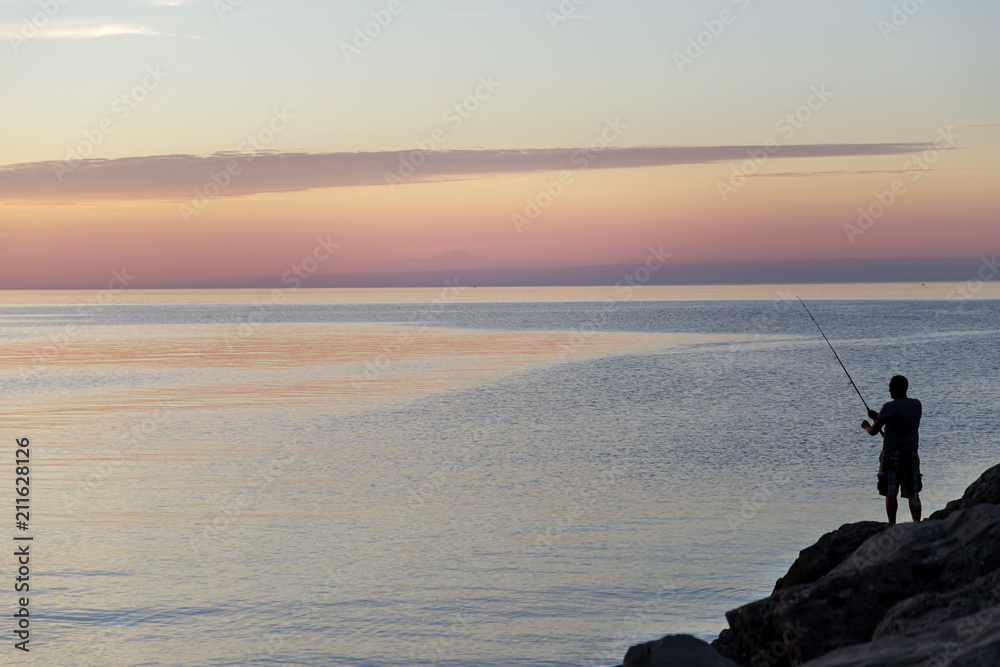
[(963, 271), (461, 260), (674, 273)]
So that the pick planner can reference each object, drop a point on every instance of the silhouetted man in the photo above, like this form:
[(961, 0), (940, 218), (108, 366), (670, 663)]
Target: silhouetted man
[(899, 465)]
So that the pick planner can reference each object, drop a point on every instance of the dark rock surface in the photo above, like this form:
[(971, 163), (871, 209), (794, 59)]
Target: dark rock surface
[(728, 647), (894, 580), (829, 552), (675, 651), (984, 491), (871, 595)]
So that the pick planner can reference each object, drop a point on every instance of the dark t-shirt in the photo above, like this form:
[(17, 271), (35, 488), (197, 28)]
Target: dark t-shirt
[(901, 417)]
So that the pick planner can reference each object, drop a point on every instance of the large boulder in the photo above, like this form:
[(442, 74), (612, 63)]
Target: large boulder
[(675, 651), (984, 491), (813, 562), (958, 628), (830, 551), (878, 587), (947, 645), (871, 595), (980, 598), (727, 646)]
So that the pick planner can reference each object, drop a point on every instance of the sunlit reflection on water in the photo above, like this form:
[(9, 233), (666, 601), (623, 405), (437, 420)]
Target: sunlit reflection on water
[(337, 491)]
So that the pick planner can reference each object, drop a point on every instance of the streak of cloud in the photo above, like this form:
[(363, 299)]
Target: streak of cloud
[(90, 32), (176, 177), (848, 172), (87, 30)]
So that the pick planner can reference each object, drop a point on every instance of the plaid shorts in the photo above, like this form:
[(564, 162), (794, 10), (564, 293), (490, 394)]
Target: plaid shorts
[(899, 471)]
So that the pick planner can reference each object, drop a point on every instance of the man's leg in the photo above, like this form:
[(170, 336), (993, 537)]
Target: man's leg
[(910, 484), (889, 466)]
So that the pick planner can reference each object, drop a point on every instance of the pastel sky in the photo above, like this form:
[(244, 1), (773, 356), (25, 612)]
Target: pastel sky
[(201, 140)]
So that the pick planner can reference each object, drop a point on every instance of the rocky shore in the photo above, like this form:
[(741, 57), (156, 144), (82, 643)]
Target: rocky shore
[(871, 595)]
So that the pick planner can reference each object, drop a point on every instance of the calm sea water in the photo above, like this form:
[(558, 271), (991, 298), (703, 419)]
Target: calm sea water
[(510, 482)]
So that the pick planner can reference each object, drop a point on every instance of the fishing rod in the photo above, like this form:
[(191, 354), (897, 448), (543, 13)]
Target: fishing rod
[(837, 356)]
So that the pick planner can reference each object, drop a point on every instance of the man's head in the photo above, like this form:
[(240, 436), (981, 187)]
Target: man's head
[(898, 386)]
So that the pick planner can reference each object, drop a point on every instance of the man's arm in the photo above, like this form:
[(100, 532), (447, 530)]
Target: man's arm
[(872, 429)]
